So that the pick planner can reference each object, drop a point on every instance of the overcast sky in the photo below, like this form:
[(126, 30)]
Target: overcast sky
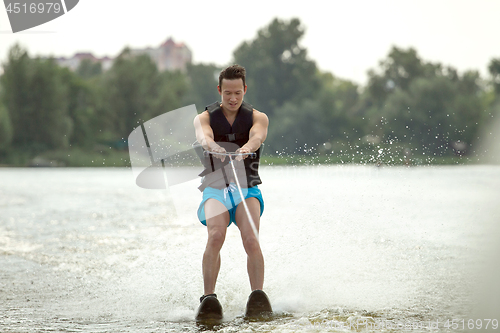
[(345, 38)]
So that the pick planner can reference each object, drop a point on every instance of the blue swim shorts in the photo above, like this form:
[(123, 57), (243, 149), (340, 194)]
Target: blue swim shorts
[(224, 197)]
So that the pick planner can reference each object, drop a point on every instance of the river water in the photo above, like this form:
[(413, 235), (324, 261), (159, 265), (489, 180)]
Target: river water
[(347, 248)]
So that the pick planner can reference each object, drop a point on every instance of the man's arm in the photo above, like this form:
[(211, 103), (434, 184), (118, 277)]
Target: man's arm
[(205, 134), (258, 133)]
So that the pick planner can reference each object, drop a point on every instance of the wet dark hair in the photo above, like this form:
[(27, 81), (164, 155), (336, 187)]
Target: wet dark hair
[(232, 73)]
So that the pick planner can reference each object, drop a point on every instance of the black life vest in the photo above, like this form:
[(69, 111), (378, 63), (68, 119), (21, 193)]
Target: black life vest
[(230, 136)]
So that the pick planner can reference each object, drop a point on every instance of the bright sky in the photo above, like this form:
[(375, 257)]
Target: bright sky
[(345, 38)]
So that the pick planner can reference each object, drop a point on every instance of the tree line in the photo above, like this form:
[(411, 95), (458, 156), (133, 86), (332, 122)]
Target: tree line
[(420, 107)]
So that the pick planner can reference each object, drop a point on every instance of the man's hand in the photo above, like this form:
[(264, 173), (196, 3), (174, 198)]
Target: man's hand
[(257, 135), (242, 150), (215, 148)]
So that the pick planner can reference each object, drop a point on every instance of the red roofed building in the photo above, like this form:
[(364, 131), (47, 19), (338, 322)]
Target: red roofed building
[(74, 62), (168, 56)]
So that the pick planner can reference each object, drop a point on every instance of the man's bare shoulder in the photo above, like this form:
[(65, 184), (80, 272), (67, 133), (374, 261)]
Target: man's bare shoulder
[(260, 116), (202, 119), (203, 116)]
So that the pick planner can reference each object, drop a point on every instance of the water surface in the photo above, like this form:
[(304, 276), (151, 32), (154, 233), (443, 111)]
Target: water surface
[(86, 250)]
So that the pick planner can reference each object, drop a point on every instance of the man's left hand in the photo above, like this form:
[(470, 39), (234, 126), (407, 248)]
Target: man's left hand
[(242, 150)]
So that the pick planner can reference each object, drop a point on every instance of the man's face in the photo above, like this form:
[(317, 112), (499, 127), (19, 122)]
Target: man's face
[(232, 92)]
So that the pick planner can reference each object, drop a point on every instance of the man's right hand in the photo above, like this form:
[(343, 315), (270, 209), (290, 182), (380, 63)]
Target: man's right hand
[(218, 149)]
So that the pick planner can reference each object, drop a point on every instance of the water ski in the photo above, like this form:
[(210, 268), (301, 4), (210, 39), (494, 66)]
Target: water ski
[(209, 311), (258, 306)]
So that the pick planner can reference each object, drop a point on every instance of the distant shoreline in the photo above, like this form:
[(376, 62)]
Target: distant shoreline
[(77, 157)]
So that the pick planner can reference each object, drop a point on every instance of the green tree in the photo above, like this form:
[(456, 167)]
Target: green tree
[(494, 69), (303, 127), (82, 108), (130, 89), (278, 70), (172, 90), (426, 106), (338, 99), (468, 108), (15, 83), (5, 127), (398, 70), (50, 105), (36, 99), (420, 116), (88, 69), (297, 128), (203, 81)]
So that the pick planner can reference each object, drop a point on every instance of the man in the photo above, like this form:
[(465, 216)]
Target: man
[(231, 126)]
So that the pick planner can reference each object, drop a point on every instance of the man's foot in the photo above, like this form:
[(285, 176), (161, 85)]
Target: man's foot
[(258, 305), (209, 311)]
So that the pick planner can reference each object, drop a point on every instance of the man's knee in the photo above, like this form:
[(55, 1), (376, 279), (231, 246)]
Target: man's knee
[(251, 245), (216, 237)]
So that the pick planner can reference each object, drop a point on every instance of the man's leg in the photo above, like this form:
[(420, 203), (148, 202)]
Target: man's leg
[(217, 223), (255, 259)]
